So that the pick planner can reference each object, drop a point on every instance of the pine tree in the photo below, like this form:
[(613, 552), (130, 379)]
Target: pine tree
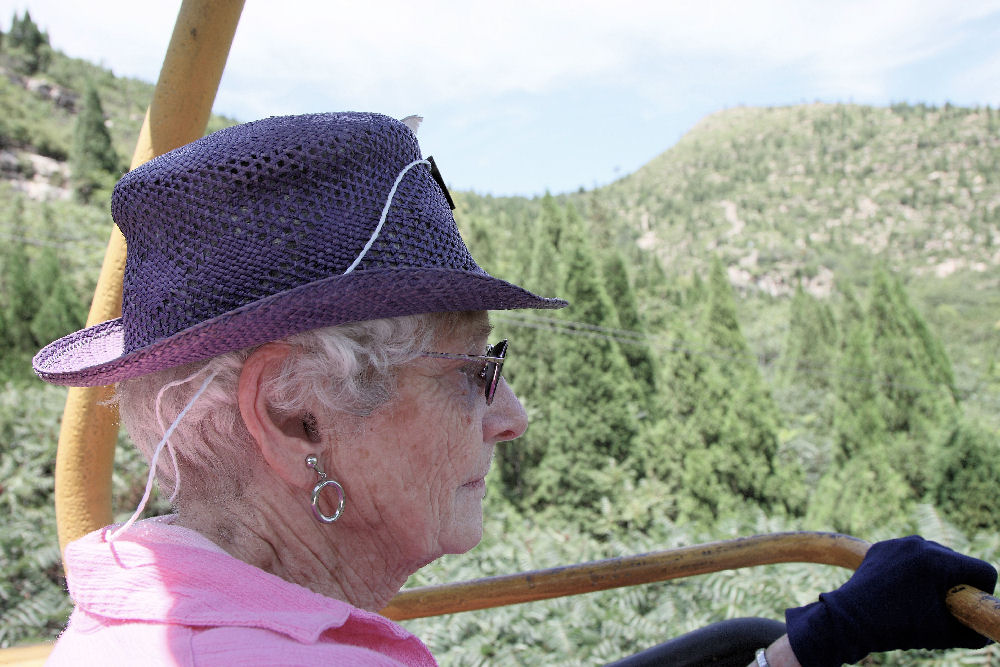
[(911, 374), (19, 297), (725, 423), (661, 295), (622, 297), (59, 312), (591, 397), (967, 473), (685, 380), (534, 380), (851, 312), (27, 45), (938, 365), (857, 420), (811, 342), (911, 367), (698, 291), (865, 496), (93, 157)]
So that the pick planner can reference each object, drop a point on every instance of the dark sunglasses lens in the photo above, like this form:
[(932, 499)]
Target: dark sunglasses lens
[(493, 370), (492, 379)]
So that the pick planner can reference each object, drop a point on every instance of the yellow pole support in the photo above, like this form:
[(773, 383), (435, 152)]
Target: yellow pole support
[(178, 114)]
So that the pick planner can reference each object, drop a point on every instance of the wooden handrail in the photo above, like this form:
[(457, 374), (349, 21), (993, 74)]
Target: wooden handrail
[(824, 548), (976, 609), (33, 655)]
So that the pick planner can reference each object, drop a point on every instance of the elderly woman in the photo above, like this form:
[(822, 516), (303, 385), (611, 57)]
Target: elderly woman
[(303, 356)]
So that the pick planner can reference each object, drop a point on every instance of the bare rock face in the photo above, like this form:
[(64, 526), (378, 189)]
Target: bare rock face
[(39, 177), (61, 97)]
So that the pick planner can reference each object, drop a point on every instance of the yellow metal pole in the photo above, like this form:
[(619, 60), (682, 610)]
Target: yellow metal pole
[(178, 114)]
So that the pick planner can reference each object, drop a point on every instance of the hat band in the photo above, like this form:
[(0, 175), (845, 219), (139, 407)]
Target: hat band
[(385, 214)]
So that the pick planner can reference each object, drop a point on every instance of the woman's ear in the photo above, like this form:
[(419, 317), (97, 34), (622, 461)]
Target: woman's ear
[(284, 441)]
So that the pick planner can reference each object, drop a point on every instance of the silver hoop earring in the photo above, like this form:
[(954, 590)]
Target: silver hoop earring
[(313, 462)]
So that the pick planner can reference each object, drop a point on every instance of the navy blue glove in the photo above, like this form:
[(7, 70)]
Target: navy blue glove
[(895, 600)]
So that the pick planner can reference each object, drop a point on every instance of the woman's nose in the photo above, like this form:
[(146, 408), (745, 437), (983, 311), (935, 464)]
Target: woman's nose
[(505, 418)]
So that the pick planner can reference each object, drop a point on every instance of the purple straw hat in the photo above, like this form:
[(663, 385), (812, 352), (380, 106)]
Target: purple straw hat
[(271, 228)]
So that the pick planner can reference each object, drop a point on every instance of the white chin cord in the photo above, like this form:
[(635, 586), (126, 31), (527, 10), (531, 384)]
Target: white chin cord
[(164, 441)]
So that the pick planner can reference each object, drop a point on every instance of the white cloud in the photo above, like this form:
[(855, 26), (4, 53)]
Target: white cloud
[(453, 51), (394, 53), (525, 78)]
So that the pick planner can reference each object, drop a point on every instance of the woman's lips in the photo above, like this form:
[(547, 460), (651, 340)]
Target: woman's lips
[(476, 485)]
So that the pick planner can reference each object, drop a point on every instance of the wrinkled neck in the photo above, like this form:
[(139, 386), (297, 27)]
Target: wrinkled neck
[(276, 531)]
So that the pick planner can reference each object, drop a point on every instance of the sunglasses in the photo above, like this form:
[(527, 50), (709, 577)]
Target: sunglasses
[(492, 365)]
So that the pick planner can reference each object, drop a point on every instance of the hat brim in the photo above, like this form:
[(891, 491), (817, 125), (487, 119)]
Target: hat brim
[(95, 356)]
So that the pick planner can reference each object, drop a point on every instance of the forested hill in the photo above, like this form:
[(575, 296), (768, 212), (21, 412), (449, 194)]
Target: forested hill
[(800, 193), (782, 193), (814, 196), (853, 365)]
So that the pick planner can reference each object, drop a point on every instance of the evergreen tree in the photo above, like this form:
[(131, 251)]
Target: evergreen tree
[(697, 293), (534, 380), (591, 398), (673, 447), (918, 406), (857, 421), (912, 369), (622, 297), (810, 344), (59, 311), (19, 296), (27, 46), (851, 313), (660, 296), (967, 474), (721, 323), (865, 491), (864, 496), (938, 365), (649, 276), (18, 299), (93, 156), (724, 421)]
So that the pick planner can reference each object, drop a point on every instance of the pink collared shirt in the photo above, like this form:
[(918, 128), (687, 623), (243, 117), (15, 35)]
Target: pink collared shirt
[(165, 595)]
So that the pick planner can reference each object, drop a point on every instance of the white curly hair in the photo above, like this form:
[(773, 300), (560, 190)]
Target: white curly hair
[(349, 369)]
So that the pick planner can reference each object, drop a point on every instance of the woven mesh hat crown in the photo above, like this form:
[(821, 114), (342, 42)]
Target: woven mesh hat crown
[(254, 233)]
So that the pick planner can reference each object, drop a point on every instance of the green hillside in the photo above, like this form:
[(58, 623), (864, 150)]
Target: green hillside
[(818, 195), (789, 320), (793, 191), (822, 194)]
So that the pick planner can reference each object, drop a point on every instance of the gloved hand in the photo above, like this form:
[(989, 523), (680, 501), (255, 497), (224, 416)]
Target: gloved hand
[(895, 600)]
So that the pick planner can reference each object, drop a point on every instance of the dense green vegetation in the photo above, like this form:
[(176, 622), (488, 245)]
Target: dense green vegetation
[(862, 398), (786, 321)]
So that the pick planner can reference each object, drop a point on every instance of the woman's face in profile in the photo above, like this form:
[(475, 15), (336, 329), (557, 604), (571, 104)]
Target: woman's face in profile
[(415, 468)]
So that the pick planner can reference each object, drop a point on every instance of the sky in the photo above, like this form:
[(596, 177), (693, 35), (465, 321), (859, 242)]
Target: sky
[(524, 97)]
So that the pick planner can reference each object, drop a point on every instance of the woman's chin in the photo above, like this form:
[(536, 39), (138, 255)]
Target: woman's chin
[(470, 539), (467, 531)]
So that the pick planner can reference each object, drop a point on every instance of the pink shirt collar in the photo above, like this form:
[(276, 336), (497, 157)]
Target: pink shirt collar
[(157, 572)]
